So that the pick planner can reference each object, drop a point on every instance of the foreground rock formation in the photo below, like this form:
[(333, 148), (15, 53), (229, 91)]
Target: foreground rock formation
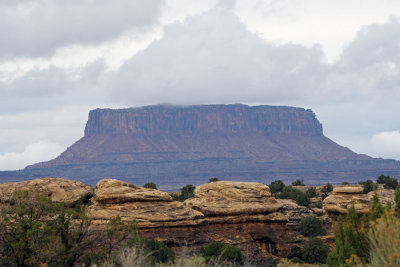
[(241, 213), (149, 207), (174, 146), (343, 197), (57, 189)]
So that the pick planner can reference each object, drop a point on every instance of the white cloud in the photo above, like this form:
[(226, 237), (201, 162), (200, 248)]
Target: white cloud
[(332, 24), (387, 144), (39, 151)]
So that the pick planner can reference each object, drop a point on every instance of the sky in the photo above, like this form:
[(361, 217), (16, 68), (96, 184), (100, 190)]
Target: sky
[(59, 59)]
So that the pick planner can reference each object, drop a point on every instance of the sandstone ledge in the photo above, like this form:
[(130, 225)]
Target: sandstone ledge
[(57, 189), (113, 191)]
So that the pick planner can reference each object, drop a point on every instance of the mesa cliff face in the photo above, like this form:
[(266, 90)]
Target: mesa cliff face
[(154, 121), (173, 146)]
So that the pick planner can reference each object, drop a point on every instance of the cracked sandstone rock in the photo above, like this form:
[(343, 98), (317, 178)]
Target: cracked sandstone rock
[(57, 189), (149, 207), (225, 198)]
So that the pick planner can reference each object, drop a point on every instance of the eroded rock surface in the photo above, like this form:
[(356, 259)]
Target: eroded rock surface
[(225, 198), (343, 197), (57, 189), (149, 207), (113, 191)]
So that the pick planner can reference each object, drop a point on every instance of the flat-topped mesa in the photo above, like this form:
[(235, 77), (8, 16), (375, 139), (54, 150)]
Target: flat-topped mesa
[(204, 119)]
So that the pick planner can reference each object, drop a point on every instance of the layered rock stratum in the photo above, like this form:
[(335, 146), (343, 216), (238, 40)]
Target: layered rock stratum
[(57, 189), (176, 145), (241, 213)]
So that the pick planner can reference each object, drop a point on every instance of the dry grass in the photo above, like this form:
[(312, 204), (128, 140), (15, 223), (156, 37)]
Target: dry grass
[(385, 241)]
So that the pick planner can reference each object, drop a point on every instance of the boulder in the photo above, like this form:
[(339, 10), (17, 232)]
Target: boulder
[(225, 198), (57, 189), (113, 191), (343, 197), (340, 202), (147, 214), (348, 190), (149, 207)]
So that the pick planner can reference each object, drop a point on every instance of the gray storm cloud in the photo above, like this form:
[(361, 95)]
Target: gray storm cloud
[(38, 27), (213, 58)]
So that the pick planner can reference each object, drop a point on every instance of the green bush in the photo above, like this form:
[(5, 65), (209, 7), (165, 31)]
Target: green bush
[(298, 182), (382, 179), (186, 192), (314, 251), (276, 186), (36, 231), (154, 250), (222, 252), (150, 185), (311, 192), (397, 199), (387, 181), (327, 188), (214, 179), (350, 239), (311, 226), (289, 192), (316, 205), (391, 183), (368, 186)]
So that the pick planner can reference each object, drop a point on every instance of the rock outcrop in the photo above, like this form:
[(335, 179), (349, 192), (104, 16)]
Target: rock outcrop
[(245, 214), (239, 213), (57, 189), (111, 191), (174, 146), (233, 198), (343, 197), (149, 207)]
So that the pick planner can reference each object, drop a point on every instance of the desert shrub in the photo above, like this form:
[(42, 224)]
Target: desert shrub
[(377, 208), (345, 183), (317, 204), (314, 251), (214, 179), (276, 186), (36, 231), (397, 199), (298, 182), (296, 260), (350, 239), (382, 179), (368, 186), (186, 192), (154, 250), (384, 237), (311, 192), (221, 252), (150, 185), (327, 188), (387, 181), (289, 192), (311, 226), (391, 183)]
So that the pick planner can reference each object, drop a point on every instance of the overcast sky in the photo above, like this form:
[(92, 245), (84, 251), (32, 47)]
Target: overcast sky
[(59, 59)]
